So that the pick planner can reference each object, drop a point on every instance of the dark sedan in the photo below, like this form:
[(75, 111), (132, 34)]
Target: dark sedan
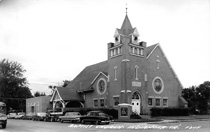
[(96, 117)]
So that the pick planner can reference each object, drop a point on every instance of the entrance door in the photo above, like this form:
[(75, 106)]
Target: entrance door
[(136, 103)]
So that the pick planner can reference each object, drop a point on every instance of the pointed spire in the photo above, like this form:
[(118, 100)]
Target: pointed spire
[(126, 27)]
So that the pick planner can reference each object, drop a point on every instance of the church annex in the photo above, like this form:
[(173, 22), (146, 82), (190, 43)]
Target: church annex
[(134, 74)]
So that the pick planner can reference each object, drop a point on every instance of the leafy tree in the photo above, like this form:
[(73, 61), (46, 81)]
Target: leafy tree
[(65, 83), (198, 98), (37, 94), (13, 85)]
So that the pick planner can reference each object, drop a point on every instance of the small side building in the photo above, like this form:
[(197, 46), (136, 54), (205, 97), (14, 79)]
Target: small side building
[(37, 104)]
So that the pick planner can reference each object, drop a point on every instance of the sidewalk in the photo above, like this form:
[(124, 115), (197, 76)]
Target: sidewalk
[(190, 117), (167, 119)]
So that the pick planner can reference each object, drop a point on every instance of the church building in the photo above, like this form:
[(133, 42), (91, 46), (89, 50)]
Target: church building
[(134, 74)]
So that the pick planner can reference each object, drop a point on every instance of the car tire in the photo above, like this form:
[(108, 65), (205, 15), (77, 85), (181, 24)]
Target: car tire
[(97, 123), (4, 126), (83, 122), (107, 122)]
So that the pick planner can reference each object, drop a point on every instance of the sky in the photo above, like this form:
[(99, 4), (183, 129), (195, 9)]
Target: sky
[(55, 40)]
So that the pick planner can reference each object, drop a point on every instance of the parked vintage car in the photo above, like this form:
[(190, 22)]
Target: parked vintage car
[(96, 117), (41, 116), (70, 116), (11, 115), (19, 115), (28, 116)]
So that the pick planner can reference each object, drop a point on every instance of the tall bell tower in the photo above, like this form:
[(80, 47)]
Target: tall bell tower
[(127, 66)]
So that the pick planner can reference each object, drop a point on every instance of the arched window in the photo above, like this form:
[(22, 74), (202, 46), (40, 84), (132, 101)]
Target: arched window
[(135, 96), (115, 73), (158, 64), (136, 72)]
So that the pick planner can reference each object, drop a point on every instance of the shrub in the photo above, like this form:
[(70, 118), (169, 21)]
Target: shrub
[(135, 116), (169, 111)]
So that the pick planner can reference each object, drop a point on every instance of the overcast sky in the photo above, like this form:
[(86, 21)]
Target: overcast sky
[(55, 40)]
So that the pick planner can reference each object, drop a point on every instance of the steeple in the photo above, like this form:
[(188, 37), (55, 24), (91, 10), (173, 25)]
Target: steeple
[(126, 27)]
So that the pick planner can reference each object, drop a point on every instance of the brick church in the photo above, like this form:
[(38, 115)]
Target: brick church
[(133, 74)]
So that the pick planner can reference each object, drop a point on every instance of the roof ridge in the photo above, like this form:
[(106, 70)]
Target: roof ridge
[(96, 63)]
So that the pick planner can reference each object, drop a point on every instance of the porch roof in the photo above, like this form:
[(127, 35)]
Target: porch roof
[(69, 94)]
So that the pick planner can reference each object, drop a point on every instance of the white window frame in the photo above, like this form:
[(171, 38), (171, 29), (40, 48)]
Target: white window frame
[(141, 52), (156, 101), (95, 99), (111, 53), (133, 50), (165, 98), (150, 97), (100, 102)]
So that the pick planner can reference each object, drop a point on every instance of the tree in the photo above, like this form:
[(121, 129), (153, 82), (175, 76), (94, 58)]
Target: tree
[(198, 97), (37, 94), (13, 85), (65, 83)]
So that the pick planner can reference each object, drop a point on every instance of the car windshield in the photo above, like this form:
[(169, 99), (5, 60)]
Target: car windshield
[(41, 114), (93, 114), (102, 114), (21, 113), (72, 113), (3, 109)]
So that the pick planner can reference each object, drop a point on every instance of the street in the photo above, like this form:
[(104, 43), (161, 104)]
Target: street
[(40, 126)]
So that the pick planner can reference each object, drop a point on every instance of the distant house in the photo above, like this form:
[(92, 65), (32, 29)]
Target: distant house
[(37, 104), (134, 74)]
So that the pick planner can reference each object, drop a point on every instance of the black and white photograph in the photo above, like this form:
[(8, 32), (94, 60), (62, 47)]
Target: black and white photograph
[(104, 65)]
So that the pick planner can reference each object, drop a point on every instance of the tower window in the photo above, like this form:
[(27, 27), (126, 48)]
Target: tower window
[(119, 50), (135, 38), (115, 73), (116, 39), (133, 50), (114, 51), (138, 51), (111, 53), (136, 72), (141, 52)]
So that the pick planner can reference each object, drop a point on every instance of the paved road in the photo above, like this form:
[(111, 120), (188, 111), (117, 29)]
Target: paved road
[(168, 125)]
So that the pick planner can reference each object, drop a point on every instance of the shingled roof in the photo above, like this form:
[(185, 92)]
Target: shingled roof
[(126, 27), (69, 94), (84, 79), (149, 49)]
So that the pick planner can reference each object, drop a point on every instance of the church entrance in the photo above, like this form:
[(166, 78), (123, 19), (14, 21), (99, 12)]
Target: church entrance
[(136, 103)]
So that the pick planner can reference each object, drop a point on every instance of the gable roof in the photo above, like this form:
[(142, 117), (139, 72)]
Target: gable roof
[(67, 94), (150, 49), (86, 76)]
